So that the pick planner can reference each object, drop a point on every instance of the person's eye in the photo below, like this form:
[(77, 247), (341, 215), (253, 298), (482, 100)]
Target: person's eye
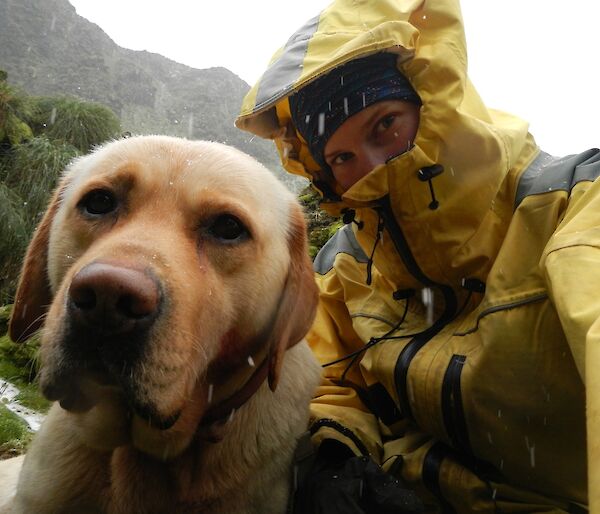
[(341, 158), (385, 123)]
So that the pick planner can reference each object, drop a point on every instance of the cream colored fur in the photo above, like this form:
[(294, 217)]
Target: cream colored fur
[(217, 300)]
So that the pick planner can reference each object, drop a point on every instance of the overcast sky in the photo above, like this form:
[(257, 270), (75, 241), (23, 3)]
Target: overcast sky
[(535, 58)]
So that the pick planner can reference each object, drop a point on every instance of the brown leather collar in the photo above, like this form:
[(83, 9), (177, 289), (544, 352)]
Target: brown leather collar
[(217, 415)]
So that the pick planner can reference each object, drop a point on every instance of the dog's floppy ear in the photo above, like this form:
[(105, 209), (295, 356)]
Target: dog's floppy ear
[(33, 292), (298, 302)]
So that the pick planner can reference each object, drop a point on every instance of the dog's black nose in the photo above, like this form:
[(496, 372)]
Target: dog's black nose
[(112, 298)]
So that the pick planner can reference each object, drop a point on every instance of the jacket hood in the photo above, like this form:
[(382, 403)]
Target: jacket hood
[(474, 152)]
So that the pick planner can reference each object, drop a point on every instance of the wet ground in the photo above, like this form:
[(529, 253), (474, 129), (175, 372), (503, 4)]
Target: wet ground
[(8, 395)]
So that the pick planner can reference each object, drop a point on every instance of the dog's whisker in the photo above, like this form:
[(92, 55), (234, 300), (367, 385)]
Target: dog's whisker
[(35, 322)]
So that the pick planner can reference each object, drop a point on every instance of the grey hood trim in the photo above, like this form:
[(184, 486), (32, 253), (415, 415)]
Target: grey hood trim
[(343, 241), (547, 173)]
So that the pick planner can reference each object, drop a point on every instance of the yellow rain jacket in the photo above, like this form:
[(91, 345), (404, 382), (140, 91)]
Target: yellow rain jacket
[(466, 293)]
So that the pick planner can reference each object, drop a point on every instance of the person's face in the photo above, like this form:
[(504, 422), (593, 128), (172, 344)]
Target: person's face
[(369, 138)]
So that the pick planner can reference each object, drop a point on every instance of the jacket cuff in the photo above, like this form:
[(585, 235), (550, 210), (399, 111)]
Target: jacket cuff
[(323, 429)]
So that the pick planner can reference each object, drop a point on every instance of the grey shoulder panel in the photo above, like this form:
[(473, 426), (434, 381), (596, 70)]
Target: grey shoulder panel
[(548, 173), (343, 241), (283, 73)]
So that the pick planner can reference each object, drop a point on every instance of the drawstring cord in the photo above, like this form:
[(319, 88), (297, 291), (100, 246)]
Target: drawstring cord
[(377, 240), (372, 342), (348, 216), (426, 175), (472, 285)]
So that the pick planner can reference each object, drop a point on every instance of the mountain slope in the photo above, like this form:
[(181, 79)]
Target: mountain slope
[(48, 49)]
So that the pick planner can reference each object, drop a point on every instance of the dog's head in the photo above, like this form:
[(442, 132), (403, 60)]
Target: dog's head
[(161, 269)]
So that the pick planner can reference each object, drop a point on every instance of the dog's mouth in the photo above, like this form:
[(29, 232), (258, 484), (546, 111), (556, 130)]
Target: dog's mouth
[(154, 419), (85, 371), (79, 391)]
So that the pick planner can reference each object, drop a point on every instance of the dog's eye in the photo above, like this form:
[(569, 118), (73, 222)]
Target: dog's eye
[(98, 202), (228, 228)]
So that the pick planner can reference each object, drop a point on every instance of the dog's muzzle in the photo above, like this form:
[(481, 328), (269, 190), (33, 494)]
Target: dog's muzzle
[(112, 299)]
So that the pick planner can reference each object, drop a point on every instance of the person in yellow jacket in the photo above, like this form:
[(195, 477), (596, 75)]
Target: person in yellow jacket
[(459, 308)]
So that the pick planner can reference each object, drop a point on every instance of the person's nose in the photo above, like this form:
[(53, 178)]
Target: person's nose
[(372, 157)]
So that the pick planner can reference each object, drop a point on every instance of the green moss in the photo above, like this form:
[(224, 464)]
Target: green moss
[(18, 365), (8, 371), (4, 317), (19, 361), (30, 396), (14, 433)]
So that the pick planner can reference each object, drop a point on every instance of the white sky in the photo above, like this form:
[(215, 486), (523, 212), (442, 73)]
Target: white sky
[(535, 58)]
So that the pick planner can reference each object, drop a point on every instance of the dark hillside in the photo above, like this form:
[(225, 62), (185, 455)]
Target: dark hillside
[(48, 49)]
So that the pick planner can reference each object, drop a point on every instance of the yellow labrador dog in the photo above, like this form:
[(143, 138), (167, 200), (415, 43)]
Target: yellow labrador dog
[(174, 287)]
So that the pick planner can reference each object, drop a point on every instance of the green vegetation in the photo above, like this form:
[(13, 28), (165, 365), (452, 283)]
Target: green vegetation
[(19, 366), (73, 121), (39, 136), (14, 434), (321, 226), (15, 111)]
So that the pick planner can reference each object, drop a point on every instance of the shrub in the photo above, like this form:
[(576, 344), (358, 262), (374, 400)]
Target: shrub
[(76, 122)]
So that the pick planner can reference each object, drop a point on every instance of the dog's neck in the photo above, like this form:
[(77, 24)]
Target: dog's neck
[(230, 394)]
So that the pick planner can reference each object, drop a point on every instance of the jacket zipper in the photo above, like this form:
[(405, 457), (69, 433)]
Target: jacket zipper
[(452, 406), (450, 305)]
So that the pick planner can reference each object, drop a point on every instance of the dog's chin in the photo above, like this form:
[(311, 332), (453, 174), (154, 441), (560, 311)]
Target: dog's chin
[(108, 417), (162, 444), (165, 437)]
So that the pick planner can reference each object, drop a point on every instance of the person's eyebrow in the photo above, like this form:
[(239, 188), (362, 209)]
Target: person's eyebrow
[(379, 108), (368, 122)]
